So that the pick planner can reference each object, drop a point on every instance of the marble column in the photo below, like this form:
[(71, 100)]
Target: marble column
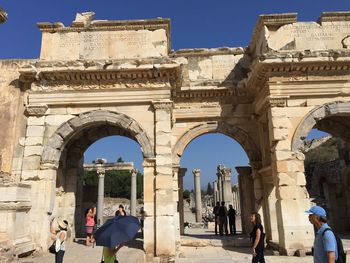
[(246, 194), (133, 196), (198, 194), (219, 185), (181, 174), (101, 187), (216, 193), (226, 185)]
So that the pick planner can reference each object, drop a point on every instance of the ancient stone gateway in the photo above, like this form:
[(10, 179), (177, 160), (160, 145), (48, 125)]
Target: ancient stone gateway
[(100, 78)]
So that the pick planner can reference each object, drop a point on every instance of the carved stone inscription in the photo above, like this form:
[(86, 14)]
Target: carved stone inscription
[(223, 66), (309, 35), (106, 45)]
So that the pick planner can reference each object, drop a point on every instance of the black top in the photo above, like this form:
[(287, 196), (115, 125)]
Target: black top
[(216, 210), (231, 213), (262, 235)]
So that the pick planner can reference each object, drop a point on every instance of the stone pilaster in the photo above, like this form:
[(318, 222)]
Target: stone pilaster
[(181, 174), (101, 188), (197, 194), (287, 169), (176, 195), (149, 207), (246, 193), (164, 203), (133, 195)]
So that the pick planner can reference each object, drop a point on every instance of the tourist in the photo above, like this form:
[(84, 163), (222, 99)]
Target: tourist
[(257, 236), (120, 211), (59, 236), (223, 219), (216, 216), (232, 220), (142, 218), (325, 244), (89, 225), (109, 254)]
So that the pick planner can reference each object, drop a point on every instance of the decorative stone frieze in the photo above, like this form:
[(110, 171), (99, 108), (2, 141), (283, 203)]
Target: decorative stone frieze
[(163, 105), (37, 110)]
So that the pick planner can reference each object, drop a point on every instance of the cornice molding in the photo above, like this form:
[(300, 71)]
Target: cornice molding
[(79, 76), (263, 69)]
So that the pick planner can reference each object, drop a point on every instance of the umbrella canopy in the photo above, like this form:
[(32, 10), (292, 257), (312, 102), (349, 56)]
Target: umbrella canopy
[(117, 230)]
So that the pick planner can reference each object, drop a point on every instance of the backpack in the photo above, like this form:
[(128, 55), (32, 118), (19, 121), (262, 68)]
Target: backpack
[(340, 248)]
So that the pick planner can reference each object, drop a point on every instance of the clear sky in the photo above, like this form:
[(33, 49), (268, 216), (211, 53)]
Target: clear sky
[(194, 24)]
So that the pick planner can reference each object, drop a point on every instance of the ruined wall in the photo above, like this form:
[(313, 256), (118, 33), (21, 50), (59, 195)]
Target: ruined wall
[(12, 121)]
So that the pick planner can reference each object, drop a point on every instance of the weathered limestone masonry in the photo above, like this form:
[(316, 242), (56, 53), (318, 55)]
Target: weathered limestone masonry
[(100, 78)]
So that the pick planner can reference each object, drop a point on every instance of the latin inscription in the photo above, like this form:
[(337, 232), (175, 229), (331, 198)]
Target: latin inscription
[(322, 33), (222, 66)]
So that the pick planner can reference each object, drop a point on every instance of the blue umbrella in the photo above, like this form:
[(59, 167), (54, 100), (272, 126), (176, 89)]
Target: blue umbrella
[(117, 230)]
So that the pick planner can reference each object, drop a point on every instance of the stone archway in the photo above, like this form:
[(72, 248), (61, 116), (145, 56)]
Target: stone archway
[(233, 132), (63, 153), (333, 109), (327, 183), (57, 142)]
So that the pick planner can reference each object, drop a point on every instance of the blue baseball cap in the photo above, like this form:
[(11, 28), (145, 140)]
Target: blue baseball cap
[(316, 210)]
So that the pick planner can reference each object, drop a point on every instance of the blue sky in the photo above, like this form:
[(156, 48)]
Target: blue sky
[(194, 24)]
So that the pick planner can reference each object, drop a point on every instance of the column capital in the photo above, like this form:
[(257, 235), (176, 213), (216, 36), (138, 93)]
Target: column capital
[(133, 172), (149, 162), (196, 172), (244, 170), (166, 105), (101, 172), (182, 172)]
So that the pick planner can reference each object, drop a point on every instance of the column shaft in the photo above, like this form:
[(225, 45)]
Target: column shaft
[(198, 195), (100, 195), (133, 196)]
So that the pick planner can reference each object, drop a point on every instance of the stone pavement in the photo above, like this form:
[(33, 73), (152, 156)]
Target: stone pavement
[(77, 253)]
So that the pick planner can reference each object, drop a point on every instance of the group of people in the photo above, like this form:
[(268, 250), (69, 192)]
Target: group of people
[(221, 214), (325, 249), (325, 244)]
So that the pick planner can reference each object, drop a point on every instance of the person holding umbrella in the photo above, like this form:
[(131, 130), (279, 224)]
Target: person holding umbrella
[(109, 254), (115, 232)]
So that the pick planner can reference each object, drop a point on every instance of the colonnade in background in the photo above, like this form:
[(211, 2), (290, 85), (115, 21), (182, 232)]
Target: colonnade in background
[(101, 166)]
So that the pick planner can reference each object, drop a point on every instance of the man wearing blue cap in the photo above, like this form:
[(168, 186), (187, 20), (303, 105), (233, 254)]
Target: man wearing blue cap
[(325, 244)]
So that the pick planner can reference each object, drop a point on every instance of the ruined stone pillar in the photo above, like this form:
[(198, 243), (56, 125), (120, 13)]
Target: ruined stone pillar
[(198, 194), (181, 174), (246, 193), (287, 167), (176, 196), (219, 184), (226, 185), (101, 188), (149, 207), (133, 196), (164, 199), (216, 193)]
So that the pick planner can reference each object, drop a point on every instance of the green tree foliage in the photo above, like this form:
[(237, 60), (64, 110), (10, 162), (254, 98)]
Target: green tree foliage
[(326, 152), (234, 188), (209, 189), (120, 160), (117, 183), (186, 194)]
